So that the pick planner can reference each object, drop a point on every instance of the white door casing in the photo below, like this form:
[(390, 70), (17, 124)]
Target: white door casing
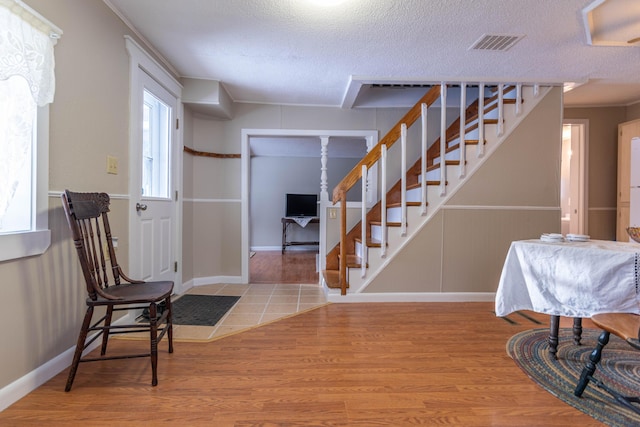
[(154, 221), (579, 215)]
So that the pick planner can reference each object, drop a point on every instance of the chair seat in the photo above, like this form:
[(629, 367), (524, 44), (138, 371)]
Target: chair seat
[(624, 325), (137, 292)]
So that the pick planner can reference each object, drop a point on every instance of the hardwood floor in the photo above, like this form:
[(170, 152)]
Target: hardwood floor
[(291, 267), (391, 364)]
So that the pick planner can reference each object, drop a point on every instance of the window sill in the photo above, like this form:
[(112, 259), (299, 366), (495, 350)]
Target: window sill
[(20, 245)]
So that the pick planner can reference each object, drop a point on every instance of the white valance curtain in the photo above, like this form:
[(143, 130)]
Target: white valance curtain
[(26, 48), (26, 66)]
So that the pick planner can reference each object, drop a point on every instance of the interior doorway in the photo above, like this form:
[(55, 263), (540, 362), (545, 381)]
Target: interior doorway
[(276, 203), (573, 177)]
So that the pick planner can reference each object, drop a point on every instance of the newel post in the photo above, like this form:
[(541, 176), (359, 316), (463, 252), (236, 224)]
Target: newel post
[(324, 143), (343, 242)]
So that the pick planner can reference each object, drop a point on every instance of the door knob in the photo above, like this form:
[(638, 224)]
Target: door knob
[(141, 207)]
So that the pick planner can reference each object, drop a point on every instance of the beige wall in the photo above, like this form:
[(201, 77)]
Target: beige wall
[(602, 166), (632, 112), (513, 196), (44, 295)]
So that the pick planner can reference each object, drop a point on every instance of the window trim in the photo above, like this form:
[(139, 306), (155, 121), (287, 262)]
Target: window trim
[(37, 241)]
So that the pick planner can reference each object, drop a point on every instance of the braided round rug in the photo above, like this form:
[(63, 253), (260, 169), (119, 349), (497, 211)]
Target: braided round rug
[(619, 369)]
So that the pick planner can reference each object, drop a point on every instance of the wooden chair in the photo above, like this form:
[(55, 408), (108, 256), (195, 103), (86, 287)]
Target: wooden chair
[(108, 287), (625, 326)]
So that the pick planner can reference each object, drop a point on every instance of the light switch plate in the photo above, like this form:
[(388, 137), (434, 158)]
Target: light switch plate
[(112, 165)]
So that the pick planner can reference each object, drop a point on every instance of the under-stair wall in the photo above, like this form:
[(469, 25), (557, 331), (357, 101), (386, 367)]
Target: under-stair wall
[(456, 254)]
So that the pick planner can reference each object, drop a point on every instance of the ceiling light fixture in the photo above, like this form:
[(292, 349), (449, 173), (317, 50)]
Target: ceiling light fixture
[(327, 3)]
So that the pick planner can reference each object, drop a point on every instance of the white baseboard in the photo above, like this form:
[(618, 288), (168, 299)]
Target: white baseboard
[(266, 248), (288, 248), (24, 385), (212, 280), (333, 295)]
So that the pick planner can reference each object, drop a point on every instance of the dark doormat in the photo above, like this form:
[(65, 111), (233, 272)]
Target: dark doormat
[(201, 310)]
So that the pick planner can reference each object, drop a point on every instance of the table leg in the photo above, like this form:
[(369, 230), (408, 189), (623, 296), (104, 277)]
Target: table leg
[(284, 236), (577, 330), (554, 326)]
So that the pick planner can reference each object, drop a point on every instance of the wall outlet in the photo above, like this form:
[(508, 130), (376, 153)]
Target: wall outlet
[(333, 213), (112, 165)]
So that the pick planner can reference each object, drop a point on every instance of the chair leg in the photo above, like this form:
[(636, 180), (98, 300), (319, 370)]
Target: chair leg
[(153, 331), (105, 333), (169, 323), (590, 368), (79, 348)]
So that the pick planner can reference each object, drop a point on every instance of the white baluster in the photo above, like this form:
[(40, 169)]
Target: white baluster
[(481, 120), (518, 99), (423, 165), (500, 128), (463, 125), (403, 179), (365, 249), (383, 200), (443, 139), (324, 143), (536, 90)]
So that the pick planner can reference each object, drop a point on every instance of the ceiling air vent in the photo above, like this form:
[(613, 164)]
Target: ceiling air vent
[(500, 42)]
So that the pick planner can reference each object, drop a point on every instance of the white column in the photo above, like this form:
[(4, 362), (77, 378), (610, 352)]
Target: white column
[(443, 139), (364, 257), (500, 127), (383, 200), (423, 164), (403, 179), (324, 143), (481, 120), (463, 126)]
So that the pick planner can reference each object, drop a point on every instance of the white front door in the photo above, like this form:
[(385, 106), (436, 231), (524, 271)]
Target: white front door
[(153, 190)]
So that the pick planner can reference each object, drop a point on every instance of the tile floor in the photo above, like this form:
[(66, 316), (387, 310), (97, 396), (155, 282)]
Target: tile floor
[(259, 304)]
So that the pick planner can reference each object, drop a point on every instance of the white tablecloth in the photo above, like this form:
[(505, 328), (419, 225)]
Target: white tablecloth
[(573, 279)]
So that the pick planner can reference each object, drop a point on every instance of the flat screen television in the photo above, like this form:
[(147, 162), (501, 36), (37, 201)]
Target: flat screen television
[(302, 205)]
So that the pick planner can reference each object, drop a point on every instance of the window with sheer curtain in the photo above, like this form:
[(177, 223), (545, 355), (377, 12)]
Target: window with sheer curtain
[(27, 85)]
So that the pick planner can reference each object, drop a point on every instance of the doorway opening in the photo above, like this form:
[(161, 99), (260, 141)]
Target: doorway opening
[(270, 211), (573, 178)]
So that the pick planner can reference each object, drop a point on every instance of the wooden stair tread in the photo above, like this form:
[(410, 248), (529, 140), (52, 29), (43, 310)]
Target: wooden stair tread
[(398, 204), (353, 261), (371, 243), (389, 224), (418, 184), (447, 162), (456, 146), (332, 279)]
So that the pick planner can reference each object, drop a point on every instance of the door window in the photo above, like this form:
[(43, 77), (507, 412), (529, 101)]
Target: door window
[(155, 147)]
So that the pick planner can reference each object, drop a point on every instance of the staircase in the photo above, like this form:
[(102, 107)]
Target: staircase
[(493, 112)]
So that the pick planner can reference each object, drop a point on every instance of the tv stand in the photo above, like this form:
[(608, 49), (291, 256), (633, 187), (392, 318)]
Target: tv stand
[(286, 222)]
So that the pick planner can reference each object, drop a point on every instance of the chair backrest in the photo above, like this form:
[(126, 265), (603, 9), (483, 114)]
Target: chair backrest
[(87, 217)]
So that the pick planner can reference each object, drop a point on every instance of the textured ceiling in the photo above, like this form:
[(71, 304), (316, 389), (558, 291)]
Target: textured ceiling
[(296, 52)]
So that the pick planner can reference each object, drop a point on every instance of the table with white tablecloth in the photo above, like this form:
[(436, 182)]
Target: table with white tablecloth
[(573, 279)]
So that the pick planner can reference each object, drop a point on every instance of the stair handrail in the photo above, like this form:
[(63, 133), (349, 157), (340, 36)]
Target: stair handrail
[(390, 138)]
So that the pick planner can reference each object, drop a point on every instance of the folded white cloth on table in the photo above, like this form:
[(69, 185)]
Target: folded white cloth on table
[(577, 279), (302, 221)]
